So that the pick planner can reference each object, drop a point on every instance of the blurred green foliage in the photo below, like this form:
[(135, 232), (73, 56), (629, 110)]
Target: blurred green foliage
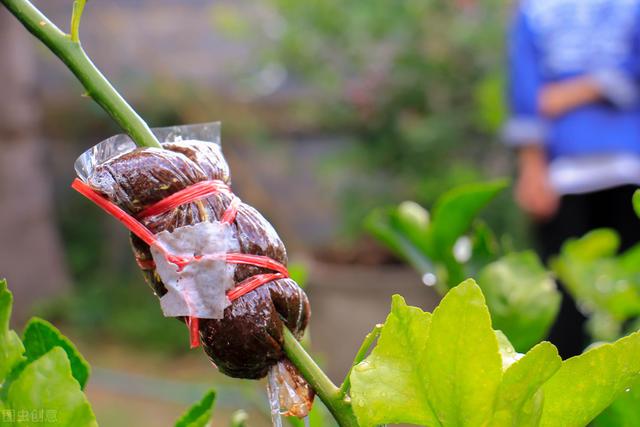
[(605, 285), (107, 310), (522, 297), (453, 245), (200, 414), (416, 84)]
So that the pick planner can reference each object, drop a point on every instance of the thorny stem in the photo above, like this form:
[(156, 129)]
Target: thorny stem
[(335, 400), (360, 355), (68, 49)]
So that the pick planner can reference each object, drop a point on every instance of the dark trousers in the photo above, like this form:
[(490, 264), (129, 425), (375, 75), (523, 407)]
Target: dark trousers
[(577, 215)]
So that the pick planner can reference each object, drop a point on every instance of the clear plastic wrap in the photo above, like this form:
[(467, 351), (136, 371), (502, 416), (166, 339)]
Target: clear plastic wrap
[(122, 143), (247, 339)]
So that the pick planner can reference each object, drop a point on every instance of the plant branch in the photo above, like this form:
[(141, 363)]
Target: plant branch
[(336, 401), (360, 355), (71, 53)]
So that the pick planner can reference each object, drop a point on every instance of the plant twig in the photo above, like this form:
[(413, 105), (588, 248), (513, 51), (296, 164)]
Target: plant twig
[(76, 15), (69, 50), (360, 355), (337, 402)]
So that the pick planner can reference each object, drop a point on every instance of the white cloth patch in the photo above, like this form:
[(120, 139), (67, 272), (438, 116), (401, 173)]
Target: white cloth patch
[(199, 289)]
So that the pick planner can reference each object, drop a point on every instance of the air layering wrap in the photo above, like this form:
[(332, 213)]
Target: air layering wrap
[(214, 261)]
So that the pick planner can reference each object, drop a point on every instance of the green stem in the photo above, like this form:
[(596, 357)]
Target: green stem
[(361, 354), (335, 400), (72, 54), (76, 15)]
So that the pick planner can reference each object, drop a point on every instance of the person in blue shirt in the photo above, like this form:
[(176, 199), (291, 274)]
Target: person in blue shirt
[(574, 71)]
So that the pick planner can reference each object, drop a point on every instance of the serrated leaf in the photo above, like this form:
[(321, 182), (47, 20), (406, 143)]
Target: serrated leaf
[(519, 398), (462, 362), (47, 385), (390, 386), (11, 348), (40, 337), (199, 415), (585, 385), (522, 298)]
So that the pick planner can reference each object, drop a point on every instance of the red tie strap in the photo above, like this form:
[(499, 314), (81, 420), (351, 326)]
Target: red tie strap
[(190, 194), (197, 191)]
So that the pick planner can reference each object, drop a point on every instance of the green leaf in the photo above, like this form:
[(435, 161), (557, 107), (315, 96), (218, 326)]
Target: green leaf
[(485, 247), (508, 354), (519, 398), (490, 107), (431, 370), (199, 415), (40, 337), (455, 211), (381, 225), (390, 386), (522, 297), (462, 363), (412, 219), (603, 283), (47, 385), (596, 244), (585, 385), (11, 348), (636, 202), (624, 411)]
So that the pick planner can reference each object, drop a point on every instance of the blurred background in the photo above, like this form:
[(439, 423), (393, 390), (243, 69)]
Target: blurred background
[(328, 109)]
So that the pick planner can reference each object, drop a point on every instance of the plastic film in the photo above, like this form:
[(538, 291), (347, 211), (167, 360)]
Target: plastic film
[(199, 289)]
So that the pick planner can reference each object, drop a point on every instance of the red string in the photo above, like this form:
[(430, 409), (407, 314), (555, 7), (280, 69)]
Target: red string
[(232, 210), (252, 283), (189, 194), (194, 331), (197, 191), (258, 261), (131, 223)]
